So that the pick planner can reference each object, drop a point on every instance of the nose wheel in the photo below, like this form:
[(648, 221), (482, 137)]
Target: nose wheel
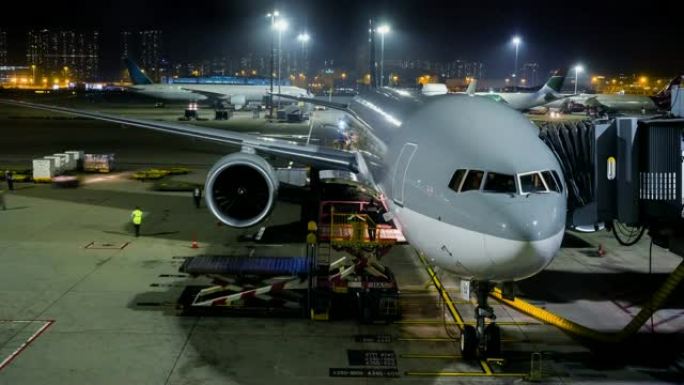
[(482, 340)]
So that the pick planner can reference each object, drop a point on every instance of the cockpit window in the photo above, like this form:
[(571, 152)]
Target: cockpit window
[(456, 180), (551, 181), (532, 183), (558, 180), (499, 183), (473, 180)]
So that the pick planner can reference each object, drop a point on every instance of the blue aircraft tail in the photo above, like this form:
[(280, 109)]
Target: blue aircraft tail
[(137, 75)]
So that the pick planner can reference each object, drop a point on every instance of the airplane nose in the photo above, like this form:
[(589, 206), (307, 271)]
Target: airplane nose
[(528, 218), (529, 233)]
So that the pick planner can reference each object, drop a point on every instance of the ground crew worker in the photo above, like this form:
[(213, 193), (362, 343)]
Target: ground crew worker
[(136, 218), (373, 211), (197, 196), (8, 179)]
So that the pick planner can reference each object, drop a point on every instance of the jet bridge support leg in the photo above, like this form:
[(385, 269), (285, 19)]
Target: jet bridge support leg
[(483, 339)]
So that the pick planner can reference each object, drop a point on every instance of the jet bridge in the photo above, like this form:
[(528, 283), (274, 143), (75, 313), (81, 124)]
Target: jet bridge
[(626, 173)]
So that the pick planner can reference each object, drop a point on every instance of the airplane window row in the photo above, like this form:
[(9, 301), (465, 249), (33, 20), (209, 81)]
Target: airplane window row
[(494, 182)]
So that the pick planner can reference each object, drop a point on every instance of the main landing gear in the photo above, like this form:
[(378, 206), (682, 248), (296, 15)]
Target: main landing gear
[(483, 340)]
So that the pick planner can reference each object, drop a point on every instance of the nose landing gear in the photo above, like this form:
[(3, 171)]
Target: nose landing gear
[(482, 340)]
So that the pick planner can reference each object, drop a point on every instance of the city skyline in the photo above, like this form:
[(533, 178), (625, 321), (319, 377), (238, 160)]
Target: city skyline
[(552, 36)]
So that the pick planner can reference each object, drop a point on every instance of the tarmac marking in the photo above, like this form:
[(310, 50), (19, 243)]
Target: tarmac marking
[(106, 246), (430, 356), (155, 304), (25, 344), (463, 374)]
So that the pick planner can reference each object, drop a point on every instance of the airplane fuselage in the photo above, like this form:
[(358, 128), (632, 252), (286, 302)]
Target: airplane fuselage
[(610, 101), (236, 94), (412, 147), (522, 101)]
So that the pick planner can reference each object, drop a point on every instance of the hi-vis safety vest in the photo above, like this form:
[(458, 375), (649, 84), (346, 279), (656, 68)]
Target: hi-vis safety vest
[(137, 217)]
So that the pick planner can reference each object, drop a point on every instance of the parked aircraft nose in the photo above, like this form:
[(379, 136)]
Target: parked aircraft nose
[(529, 233)]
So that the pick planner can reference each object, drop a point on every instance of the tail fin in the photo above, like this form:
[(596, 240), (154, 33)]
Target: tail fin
[(555, 82), (662, 99), (677, 80), (472, 87), (137, 75)]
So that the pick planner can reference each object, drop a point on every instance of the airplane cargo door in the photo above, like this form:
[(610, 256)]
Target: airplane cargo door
[(400, 168)]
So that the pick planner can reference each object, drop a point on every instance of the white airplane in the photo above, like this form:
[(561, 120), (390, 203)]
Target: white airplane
[(236, 95), (468, 180), (529, 98), (622, 103)]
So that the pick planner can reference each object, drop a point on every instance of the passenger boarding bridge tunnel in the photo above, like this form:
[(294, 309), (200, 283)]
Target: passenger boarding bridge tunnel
[(623, 171)]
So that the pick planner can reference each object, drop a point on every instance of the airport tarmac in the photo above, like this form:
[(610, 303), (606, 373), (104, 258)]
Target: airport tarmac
[(83, 301)]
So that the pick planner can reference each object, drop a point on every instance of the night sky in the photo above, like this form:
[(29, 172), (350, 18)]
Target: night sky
[(606, 36)]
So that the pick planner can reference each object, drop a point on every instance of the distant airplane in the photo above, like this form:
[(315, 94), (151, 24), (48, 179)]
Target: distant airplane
[(468, 180), (616, 103), (236, 95), (529, 98)]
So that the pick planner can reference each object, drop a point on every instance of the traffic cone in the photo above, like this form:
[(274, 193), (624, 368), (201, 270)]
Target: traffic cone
[(601, 251), (194, 243)]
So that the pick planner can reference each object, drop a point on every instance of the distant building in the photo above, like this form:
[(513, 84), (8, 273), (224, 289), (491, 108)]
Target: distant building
[(455, 69), (15, 76), (461, 69), (126, 45), (127, 50), (530, 72), (145, 48), (230, 80), (3, 48), (259, 64), (62, 55), (151, 53)]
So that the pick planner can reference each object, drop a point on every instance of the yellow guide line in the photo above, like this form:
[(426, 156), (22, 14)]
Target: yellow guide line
[(485, 367), (463, 374), (443, 293), (656, 301), (440, 322)]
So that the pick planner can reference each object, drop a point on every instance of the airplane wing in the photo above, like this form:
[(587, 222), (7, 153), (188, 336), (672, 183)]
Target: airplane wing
[(321, 157), (318, 102), (208, 94)]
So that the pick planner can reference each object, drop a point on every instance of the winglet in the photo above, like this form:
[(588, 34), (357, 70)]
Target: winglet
[(138, 77)]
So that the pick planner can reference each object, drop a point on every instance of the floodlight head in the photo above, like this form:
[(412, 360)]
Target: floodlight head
[(383, 29), (303, 37), (280, 25)]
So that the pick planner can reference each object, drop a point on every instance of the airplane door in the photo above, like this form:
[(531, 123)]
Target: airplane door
[(400, 168)]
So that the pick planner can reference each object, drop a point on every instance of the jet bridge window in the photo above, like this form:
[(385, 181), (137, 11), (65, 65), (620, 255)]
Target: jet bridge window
[(473, 180), (532, 183), (499, 183)]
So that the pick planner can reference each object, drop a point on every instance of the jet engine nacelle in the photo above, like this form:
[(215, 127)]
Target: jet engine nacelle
[(241, 189), (238, 101)]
